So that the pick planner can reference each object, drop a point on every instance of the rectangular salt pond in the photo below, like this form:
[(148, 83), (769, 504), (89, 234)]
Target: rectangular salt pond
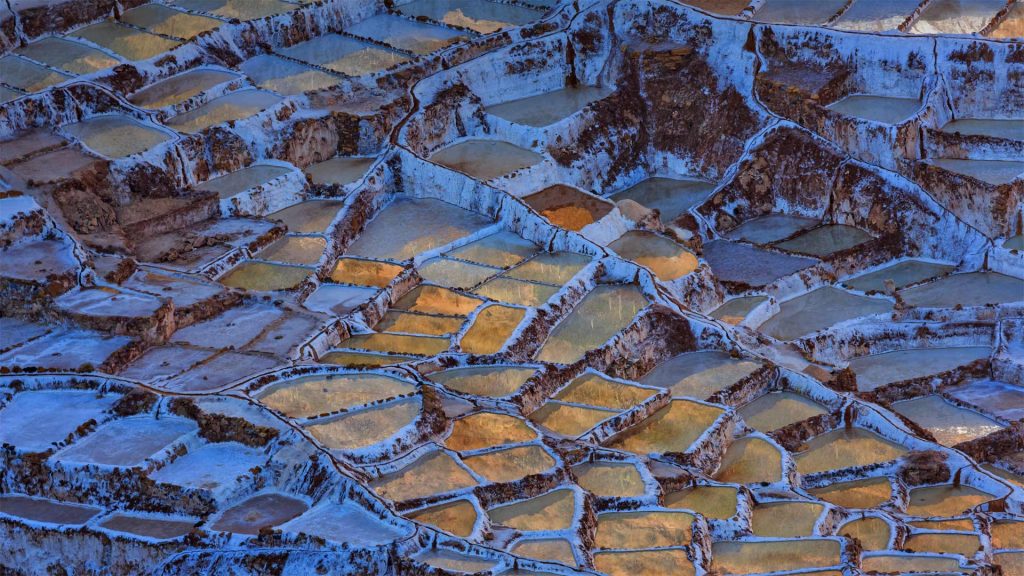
[(736, 262), (433, 473), (774, 556), (778, 409), (490, 381), (285, 77), (351, 359), (22, 414), (365, 272), (516, 291), (825, 240), (659, 562), (674, 428), (343, 54), (397, 344), (492, 327), (247, 178), (214, 467), (455, 273), (127, 442), (548, 108), (818, 310), (405, 34), (410, 226), (428, 299), (593, 389), (240, 9), (996, 172), (44, 510), (485, 159), (1009, 129), (158, 528), (125, 41), (888, 367), (555, 268), (972, 289), (570, 420), (307, 396), (362, 428), (264, 276), (411, 323), (671, 197), (478, 15), (258, 512), (309, 217), (600, 315), (68, 55), (28, 76), (948, 423), (338, 171), (233, 106), (177, 89), (8, 94), (699, 374), (499, 250), (160, 19), (456, 517), (845, 448), (552, 511), (116, 136), (883, 109), (902, 274)]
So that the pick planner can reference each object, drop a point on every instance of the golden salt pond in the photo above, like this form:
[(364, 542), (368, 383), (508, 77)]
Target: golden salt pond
[(944, 500), (126, 41), (364, 272), (673, 428), (717, 502), (478, 16), (492, 327), (263, 276), (364, 428), (664, 257), (1007, 534), (233, 106), (959, 524), (873, 533), (68, 55), (569, 420), (457, 517), (647, 562), (417, 37), (397, 343), (866, 493), (116, 136), (516, 291), (311, 395), (28, 76), (343, 54), (945, 543), (551, 549), (362, 359), (454, 273), (511, 464), (904, 563), (240, 9), (554, 268), (412, 323), (596, 390), (778, 409), (785, 519), (551, 511), (486, 429), (285, 77), (774, 556), (1011, 562), (750, 460), (601, 314), (433, 473), (568, 207), (647, 529), (845, 448), (309, 217), (161, 19), (610, 479), (491, 381), (427, 299)]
